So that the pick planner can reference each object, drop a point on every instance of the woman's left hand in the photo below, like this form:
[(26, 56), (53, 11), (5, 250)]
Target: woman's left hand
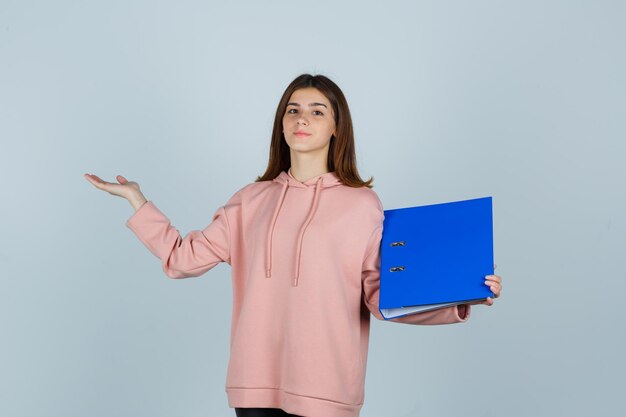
[(495, 285)]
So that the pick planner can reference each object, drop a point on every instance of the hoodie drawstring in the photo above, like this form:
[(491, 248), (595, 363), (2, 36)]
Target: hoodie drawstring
[(303, 228), (268, 256), (268, 252)]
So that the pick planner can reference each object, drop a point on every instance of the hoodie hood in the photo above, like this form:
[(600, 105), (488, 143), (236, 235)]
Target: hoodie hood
[(286, 180)]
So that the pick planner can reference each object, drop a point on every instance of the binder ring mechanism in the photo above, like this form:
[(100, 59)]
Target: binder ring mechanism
[(397, 268)]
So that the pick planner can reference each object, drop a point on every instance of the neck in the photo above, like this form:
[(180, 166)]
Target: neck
[(304, 167)]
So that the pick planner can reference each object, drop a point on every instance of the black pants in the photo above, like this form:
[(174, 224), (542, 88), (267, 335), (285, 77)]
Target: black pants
[(262, 412)]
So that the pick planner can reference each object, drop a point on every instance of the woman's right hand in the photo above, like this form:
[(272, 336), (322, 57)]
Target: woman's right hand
[(127, 189)]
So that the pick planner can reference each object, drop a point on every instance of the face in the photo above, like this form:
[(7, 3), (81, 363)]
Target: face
[(309, 111)]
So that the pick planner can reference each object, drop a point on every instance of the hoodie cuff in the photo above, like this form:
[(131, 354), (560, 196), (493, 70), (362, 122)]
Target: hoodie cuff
[(140, 210), (463, 312)]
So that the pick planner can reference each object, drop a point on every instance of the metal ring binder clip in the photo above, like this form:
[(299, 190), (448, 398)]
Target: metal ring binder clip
[(400, 243), (396, 268)]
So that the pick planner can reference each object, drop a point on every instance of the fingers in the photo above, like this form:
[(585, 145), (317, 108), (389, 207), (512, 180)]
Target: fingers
[(488, 301), (495, 278), (495, 284), (92, 177), (95, 180)]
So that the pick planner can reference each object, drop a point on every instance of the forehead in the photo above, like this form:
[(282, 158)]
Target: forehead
[(307, 95)]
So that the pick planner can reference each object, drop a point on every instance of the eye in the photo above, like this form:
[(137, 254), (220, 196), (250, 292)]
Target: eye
[(314, 111)]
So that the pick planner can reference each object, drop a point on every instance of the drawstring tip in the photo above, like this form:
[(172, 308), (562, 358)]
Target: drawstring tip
[(267, 273), (295, 282)]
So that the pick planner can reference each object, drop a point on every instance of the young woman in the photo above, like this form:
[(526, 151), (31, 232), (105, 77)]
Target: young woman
[(303, 242)]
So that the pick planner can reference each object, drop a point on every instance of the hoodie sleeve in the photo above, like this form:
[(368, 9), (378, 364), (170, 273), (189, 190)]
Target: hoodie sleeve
[(189, 256), (371, 292)]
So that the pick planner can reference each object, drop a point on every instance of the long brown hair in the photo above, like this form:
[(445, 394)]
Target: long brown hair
[(341, 153)]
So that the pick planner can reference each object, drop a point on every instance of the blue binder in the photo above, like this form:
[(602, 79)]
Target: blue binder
[(435, 256)]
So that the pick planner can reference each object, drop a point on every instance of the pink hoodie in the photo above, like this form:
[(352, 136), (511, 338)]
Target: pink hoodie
[(305, 271)]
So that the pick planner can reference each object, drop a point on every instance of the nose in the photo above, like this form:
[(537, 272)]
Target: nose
[(302, 121)]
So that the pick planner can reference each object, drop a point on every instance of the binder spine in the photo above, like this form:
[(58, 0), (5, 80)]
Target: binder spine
[(398, 268)]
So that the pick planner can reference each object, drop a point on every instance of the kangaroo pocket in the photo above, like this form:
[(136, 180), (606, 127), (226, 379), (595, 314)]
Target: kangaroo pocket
[(321, 356)]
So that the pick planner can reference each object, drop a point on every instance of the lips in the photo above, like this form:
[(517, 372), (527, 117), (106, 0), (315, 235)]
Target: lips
[(299, 133)]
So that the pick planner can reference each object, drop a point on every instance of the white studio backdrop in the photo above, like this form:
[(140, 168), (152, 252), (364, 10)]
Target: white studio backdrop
[(451, 100)]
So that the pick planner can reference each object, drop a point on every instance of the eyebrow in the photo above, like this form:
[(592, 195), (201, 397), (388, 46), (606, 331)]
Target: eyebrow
[(310, 105)]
